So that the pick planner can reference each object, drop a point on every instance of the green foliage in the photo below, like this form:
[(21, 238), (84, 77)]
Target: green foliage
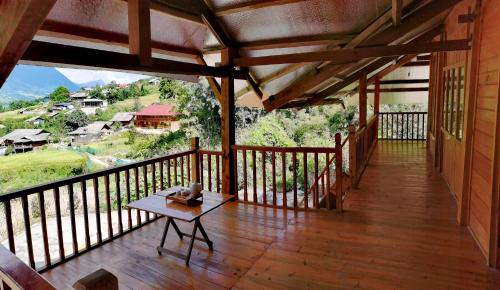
[(340, 120), (75, 119), (170, 89), (59, 95), (131, 136), (21, 104), (269, 131), (159, 145), (56, 127)]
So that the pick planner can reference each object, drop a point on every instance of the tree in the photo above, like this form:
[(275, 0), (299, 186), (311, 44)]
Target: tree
[(75, 119), (96, 93), (170, 89), (59, 95)]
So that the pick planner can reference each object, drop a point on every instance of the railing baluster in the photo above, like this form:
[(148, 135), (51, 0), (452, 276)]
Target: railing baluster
[(182, 170), (392, 126), (407, 126), (245, 185), (283, 177), (59, 224), (264, 190), (138, 193), (236, 180), (188, 168), (209, 167), (10, 231), (83, 188), (145, 186), (127, 189), (108, 206), (202, 171), (74, 236), (273, 172), (169, 173), (162, 184), (27, 227), (217, 173), (306, 197), (97, 210), (418, 127), (328, 186), (254, 175), (43, 222), (316, 189), (176, 181), (294, 168), (119, 202), (153, 176)]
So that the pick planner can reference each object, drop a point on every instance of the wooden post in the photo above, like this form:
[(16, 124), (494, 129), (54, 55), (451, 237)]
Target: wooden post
[(139, 27), (195, 161), (352, 154), (362, 100), (228, 126), (376, 104), (338, 173)]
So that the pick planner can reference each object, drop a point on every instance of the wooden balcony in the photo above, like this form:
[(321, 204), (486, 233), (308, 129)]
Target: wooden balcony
[(398, 231)]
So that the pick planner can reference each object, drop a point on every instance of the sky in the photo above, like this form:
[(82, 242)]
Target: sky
[(83, 76)]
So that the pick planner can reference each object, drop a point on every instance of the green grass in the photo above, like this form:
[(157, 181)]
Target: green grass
[(13, 115), (114, 145), (145, 100), (23, 170)]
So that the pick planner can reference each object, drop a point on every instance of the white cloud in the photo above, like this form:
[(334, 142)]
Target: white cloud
[(82, 76)]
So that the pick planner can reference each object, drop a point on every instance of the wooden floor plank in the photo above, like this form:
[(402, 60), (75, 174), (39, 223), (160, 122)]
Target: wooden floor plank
[(398, 231)]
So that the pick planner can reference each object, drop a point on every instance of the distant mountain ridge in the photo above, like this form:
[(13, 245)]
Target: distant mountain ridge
[(28, 82)]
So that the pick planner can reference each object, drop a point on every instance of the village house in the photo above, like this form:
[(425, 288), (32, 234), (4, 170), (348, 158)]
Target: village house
[(24, 140), (79, 96), (157, 117), (123, 118), (90, 132), (35, 121), (62, 107), (89, 106)]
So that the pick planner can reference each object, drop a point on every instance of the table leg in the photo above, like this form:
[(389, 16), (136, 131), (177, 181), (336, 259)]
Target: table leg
[(176, 228), (164, 236), (204, 234), (191, 243)]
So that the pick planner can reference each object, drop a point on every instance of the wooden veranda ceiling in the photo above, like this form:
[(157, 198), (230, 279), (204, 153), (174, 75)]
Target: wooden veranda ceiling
[(285, 64)]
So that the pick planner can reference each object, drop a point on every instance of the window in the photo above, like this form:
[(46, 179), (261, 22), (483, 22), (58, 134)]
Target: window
[(453, 110)]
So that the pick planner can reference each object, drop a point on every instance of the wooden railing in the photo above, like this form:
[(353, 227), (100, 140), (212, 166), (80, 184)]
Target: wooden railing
[(279, 176), (89, 207), (361, 144), (211, 169), (16, 275), (402, 126)]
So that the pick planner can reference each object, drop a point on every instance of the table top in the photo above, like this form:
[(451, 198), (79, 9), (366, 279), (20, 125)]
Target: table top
[(160, 205)]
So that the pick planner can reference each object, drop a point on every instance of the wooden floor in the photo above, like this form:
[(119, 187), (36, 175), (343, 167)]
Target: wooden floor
[(398, 232)]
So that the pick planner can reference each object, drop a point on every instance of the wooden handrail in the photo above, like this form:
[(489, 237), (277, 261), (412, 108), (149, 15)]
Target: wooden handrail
[(402, 126), (286, 149), (19, 276)]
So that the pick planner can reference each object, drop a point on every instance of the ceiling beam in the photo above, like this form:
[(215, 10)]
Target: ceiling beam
[(177, 9), (19, 22), (355, 54), (139, 30), (401, 62), (401, 90), (414, 23), (418, 63), (252, 5), (288, 42), (44, 53), (214, 85), (408, 81), (397, 11), (62, 30)]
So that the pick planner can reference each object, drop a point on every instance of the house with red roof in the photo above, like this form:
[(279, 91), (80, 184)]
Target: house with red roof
[(157, 117)]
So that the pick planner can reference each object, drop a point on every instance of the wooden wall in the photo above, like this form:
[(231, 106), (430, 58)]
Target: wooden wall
[(468, 163)]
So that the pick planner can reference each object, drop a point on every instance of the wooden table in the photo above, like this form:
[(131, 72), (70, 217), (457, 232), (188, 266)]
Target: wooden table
[(158, 204)]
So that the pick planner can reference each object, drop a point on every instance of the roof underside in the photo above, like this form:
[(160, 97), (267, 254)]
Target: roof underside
[(103, 25)]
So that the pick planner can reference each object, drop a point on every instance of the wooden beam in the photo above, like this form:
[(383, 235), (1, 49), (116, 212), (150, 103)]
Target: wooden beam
[(51, 54), (228, 128), (363, 100), (252, 5), (175, 9), (397, 9), (399, 82), (413, 23), (355, 54), (401, 90), (139, 30), (392, 67), (418, 63), (214, 85), (55, 29), (19, 22)]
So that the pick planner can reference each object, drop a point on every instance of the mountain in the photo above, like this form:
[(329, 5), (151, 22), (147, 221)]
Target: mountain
[(92, 84), (28, 82)]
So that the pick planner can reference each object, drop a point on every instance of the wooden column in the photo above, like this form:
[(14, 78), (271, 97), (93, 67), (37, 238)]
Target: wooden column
[(338, 173), (139, 30), (19, 22), (228, 126), (362, 100), (376, 104), (195, 160), (352, 154)]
